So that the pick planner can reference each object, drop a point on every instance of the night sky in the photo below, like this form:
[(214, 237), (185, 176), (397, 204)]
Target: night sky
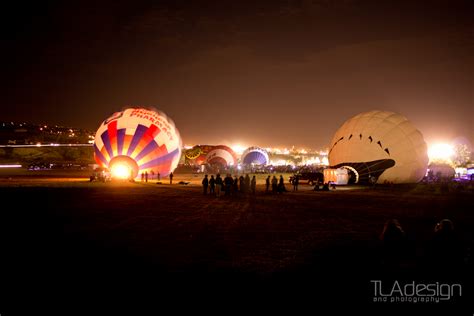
[(267, 73)]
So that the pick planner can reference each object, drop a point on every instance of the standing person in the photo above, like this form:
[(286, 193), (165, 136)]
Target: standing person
[(212, 185), (152, 174), (146, 176), (253, 184), (247, 183), (296, 181), (218, 185), (236, 185), (445, 250), (142, 176), (241, 184), (267, 184), (205, 184), (274, 184), (171, 178), (158, 176), (393, 243), (228, 181), (281, 185)]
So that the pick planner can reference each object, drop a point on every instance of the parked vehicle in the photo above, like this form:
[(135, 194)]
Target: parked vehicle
[(310, 177)]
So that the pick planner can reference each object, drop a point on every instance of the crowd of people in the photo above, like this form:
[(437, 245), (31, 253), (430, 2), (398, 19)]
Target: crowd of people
[(145, 176), (217, 185), (240, 185)]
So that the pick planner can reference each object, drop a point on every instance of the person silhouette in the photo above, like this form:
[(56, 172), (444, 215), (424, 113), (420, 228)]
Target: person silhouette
[(212, 185), (247, 183), (392, 231), (171, 177), (253, 184), (274, 184), (205, 184), (281, 185), (219, 183), (235, 185), (445, 249), (393, 243), (296, 181)]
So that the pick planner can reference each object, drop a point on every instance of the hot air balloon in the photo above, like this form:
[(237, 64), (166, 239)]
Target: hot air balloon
[(197, 155), (221, 155), (254, 156), (380, 146), (137, 140)]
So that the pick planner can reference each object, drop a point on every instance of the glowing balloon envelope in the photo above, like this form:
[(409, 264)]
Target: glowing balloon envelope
[(137, 140), (255, 156)]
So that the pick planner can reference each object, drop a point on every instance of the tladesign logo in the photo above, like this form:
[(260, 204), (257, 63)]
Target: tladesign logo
[(413, 292)]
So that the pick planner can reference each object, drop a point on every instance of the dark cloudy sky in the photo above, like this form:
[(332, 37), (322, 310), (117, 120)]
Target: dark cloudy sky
[(254, 72)]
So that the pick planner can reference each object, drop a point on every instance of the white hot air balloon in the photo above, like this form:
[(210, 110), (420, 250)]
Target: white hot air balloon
[(382, 146)]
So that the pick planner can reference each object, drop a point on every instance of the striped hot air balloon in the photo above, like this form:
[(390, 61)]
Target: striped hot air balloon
[(137, 140), (255, 156), (221, 155)]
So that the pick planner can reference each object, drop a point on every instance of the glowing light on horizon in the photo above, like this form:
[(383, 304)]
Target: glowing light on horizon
[(238, 148), (312, 161), (440, 152), (325, 161), (280, 162)]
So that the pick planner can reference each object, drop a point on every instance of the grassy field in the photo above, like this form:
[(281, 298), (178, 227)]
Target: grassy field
[(68, 232)]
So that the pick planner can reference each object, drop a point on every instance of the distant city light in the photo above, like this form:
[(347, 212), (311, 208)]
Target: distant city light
[(312, 161), (280, 162), (10, 166)]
